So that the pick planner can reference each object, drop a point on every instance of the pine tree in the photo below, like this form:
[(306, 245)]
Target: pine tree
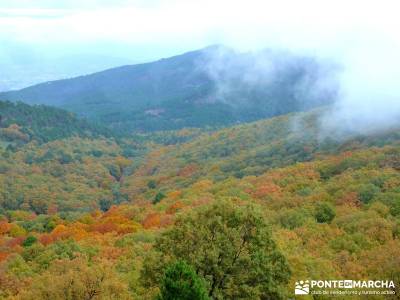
[(180, 282)]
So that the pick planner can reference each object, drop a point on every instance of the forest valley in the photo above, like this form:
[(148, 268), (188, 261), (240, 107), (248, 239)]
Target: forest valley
[(240, 212)]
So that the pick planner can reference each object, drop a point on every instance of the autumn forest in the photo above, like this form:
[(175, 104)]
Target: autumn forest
[(87, 212)]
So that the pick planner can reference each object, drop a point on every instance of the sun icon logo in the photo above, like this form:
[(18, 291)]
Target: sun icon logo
[(302, 287)]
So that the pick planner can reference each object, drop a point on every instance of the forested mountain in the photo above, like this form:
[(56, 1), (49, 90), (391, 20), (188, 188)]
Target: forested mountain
[(21, 123), (122, 217), (210, 87)]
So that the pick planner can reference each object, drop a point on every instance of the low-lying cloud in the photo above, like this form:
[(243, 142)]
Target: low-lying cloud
[(369, 98), (361, 84), (267, 76)]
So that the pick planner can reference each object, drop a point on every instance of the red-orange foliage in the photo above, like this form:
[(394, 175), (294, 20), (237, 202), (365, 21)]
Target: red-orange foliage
[(3, 255), (15, 242), (60, 232), (113, 211), (4, 227), (202, 201), (46, 239), (96, 213), (350, 199), (174, 207), (104, 227), (266, 189), (174, 194), (202, 185), (52, 209), (188, 170), (152, 220), (166, 220), (111, 253), (127, 228)]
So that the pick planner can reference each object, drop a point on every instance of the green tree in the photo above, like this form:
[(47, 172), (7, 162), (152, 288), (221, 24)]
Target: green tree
[(230, 246), (367, 192), (29, 241), (325, 212), (158, 197), (151, 184), (180, 282), (105, 204)]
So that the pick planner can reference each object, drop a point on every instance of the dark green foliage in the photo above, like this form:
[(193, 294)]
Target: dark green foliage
[(41, 223), (159, 196), (392, 200), (65, 158), (43, 123), (180, 282), (29, 241), (97, 153), (39, 206), (151, 184), (115, 171), (367, 192), (395, 208), (105, 204), (118, 197), (325, 212)]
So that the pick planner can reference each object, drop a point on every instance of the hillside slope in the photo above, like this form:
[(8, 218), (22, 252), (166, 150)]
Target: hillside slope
[(83, 205), (20, 123), (210, 87), (250, 150)]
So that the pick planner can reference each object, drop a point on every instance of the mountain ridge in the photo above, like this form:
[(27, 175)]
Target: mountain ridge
[(214, 86)]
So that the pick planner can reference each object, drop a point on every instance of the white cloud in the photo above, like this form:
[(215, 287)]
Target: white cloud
[(310, 24)]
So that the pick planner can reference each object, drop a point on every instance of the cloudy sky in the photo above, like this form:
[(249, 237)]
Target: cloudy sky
[(149, 29)]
